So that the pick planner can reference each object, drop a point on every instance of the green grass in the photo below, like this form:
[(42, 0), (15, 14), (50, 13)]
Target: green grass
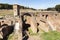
[(10, 37), (31, 32), (53, 35), (14, 36)]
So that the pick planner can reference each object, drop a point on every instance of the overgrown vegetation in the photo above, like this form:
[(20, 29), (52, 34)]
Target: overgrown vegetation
[(31, 32), (53, 35), (13, 36), (10, 37)]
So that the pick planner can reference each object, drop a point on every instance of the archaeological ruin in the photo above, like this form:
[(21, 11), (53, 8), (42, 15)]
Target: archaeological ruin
[(36, 21)]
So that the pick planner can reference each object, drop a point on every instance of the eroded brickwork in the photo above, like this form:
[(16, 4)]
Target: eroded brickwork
[(37, 21)]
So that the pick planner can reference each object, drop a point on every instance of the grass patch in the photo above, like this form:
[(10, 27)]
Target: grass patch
[(53, 35), (31, 32), (10, 37), (14, 36)]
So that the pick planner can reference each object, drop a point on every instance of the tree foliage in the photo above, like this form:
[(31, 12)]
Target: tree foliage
[(5, 6), (57, 7), (8, 6), (50, 9)]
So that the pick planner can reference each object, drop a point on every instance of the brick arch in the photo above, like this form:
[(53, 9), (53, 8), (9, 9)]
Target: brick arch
[(25, 25), (24, 21), (27, 14)]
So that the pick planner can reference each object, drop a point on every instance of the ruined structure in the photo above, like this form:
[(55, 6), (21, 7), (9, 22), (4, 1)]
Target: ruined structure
[(42, 21)]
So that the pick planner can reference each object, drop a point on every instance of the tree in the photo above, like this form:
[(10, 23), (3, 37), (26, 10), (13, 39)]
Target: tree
[(50, 9), (57, 7), (0, 6)]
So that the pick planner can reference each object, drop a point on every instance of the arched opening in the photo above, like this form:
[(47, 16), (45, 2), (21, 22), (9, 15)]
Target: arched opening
[(7, 30), (0, 24), (46, 16), (55, 14), (11, 22), (37, 27), (25, 26), (42, 15), (2, 21)]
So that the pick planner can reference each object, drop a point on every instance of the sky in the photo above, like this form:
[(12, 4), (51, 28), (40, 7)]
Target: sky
[(37, 4)]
